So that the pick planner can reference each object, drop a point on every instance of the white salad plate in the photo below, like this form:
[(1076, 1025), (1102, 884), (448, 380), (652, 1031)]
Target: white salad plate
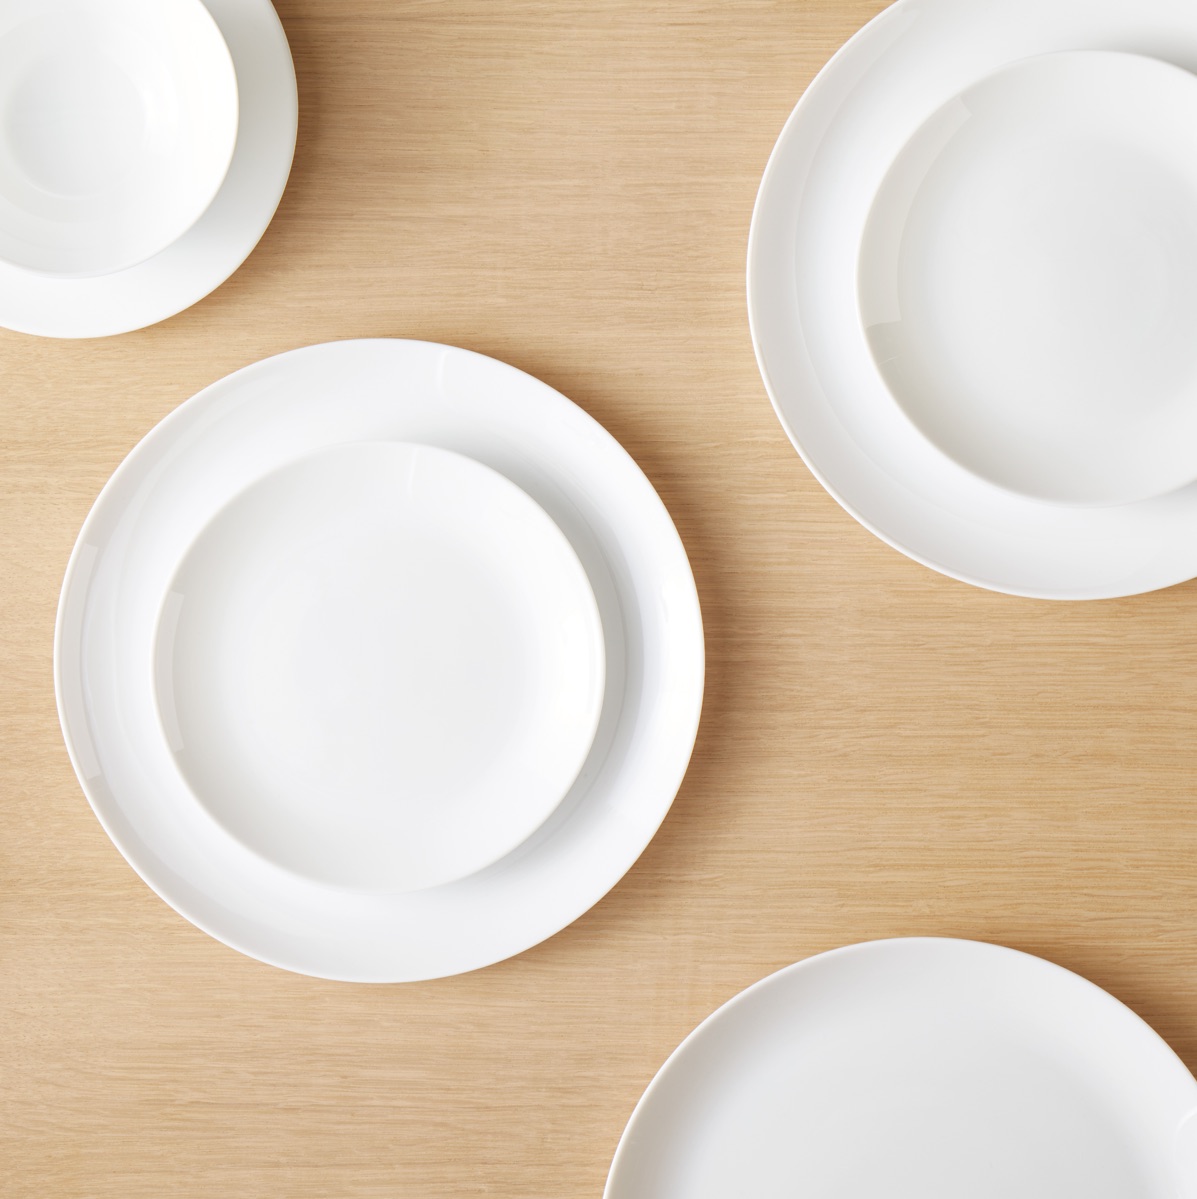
[(916, 1069), (117, 126), (230, 226), (380, 666), (236, 628), (815, 282), (1028, 277)]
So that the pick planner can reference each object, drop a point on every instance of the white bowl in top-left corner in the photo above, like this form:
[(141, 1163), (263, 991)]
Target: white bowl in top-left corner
[(118, 122)]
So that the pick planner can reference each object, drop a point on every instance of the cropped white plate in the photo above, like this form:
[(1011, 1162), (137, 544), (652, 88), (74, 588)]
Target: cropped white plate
[(1028, 277), (804, 248), (117, 125), (220, 241), (380, 666), (916, 1069), (268, 417)]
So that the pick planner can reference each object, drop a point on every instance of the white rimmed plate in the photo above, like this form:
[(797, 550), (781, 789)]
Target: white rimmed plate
[(275, 413), (916, 1069), (804, 245), (223, 237), (380, 666)]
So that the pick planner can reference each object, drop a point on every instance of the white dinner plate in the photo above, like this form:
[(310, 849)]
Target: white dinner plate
[(916, 1069), (804, 254), (380, 666), (220, 240), (190, 480), (117, 127)]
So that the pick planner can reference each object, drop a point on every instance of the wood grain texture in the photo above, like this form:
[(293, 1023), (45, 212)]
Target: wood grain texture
[(883, 751)]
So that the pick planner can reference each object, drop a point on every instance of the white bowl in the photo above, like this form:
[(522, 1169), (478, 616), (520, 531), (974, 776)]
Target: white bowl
[(1028, 278), (118, 122)]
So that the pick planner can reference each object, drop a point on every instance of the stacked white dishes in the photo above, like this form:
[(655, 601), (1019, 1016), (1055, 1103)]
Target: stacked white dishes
[(971, 289), (379, 660), (144, 146)]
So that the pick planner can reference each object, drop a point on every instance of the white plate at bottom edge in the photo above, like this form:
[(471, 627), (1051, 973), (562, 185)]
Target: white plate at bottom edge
[(271, 414), (918, 1068)]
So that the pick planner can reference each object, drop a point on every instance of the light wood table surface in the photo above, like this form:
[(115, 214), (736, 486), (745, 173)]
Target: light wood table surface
[(883, 751)]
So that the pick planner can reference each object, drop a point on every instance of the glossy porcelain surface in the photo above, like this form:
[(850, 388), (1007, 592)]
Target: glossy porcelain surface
[(804, 253), (380, 666), (1028, 277), (192, 490), (916, 1069), (221, 239), (117, 126)]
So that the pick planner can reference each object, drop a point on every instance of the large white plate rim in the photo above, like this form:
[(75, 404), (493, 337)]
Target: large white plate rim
[(220, 241), (863, 450), (644, 587), (1181, 1082)]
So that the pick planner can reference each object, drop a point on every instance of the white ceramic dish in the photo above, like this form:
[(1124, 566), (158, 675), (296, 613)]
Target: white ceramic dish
[(1028, 277), (220, 241), (380, 666), (117, 127), (274, 414), (807, 229), (916, 1069)]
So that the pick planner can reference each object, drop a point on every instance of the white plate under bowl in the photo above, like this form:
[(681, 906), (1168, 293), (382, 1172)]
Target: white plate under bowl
[(380, 666), (916, 1069), (117, 127), (804, 249), (1028, 277), (220, 241), (297, 408)]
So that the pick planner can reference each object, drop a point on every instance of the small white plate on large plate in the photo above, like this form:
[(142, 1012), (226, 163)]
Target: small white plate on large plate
[(916, 1069), (804, 259), (220, 240), (380, 666), (302, 422), (1028, 277)]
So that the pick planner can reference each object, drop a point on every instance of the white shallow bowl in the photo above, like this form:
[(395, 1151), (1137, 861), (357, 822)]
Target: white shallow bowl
[(804, 251), (146, 531), (380, 666), (1028, 277), (220, 241), (118, 121), (916, 1069)]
